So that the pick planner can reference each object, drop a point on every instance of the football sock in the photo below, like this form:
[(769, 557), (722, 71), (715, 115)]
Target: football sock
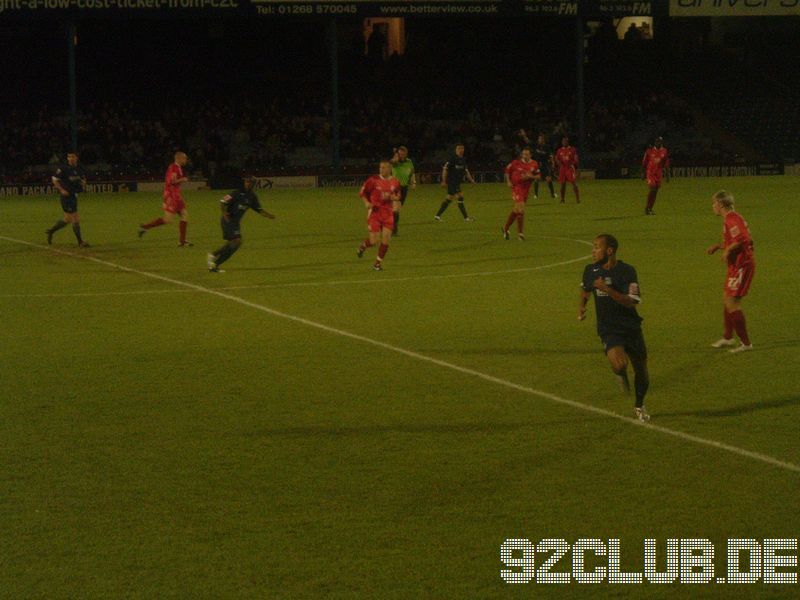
[(225, 253), (640, 386), (728, 324), (563, 190), (577, 193), (182, 226), (511, 218), (76, 229), (60, 224), (552, 191), (382, 250), (364, 245), (738, 321), (651, 199), (154, 223), (443, 207), (520, 222), (623, 375), (463, 209), (535, 188)]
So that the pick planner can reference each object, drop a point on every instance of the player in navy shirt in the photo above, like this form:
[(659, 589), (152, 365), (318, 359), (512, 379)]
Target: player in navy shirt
[(615, 286), (543, 155), (234, 205), (454, 172), (69, 180)]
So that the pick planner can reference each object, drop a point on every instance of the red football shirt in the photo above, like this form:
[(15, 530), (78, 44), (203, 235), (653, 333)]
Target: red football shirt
[(380, 192), (517, 168), (654, 161), (735, 229), (174, 171), (567, 156)]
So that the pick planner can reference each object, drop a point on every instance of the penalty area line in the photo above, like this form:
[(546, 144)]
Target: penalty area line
[(435, 361)]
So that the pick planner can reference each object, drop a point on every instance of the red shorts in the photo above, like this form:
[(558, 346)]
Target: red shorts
[(380, 220), (566, 174), (520, 193), (654, 181), (737, 284), (173, 204)]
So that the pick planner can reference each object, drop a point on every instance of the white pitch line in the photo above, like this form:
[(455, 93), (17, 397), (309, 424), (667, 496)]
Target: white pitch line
[(414, 278), (324, 283), (441, 363), (303, 283), (90, 294)]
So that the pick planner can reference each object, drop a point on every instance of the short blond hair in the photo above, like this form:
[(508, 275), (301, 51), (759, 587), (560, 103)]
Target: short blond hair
[(725, 198)]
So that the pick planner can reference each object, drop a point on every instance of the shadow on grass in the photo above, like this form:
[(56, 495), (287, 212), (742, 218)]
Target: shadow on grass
[(733, 411), (416, 428), (617, 218), (530, 351)]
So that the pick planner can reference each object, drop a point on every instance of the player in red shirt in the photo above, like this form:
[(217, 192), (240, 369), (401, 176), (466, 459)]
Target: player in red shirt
[(566, 158), (520, 173), (381, 196), (737, 252), (173, 201), (656, 164)]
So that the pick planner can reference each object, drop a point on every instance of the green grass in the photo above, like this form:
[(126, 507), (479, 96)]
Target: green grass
[(157, 440)]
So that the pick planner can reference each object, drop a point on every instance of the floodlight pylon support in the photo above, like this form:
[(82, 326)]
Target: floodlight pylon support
[(333, 49), (72, 42), (580, 91)]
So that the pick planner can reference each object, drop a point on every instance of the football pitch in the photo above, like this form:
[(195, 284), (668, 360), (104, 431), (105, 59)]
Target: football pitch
[(301, 426)]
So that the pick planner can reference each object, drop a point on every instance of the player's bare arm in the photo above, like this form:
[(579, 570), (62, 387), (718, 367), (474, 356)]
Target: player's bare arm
[(444, 177), (584, 299), (266, 214), (223, 205), (713, 249), (731, 250), (469, 176), (623, 299), (61, 189)]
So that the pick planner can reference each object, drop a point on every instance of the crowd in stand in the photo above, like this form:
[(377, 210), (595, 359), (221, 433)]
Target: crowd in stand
[(121, 140), (443, 89)]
